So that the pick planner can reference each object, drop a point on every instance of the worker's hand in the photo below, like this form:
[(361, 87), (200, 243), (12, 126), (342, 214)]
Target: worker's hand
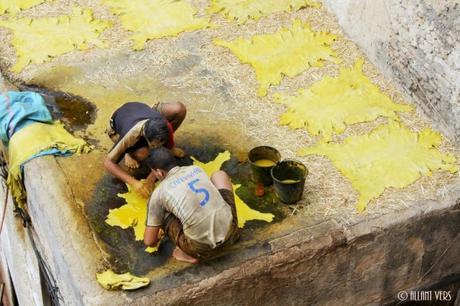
[(149, 185), (141, 188), (157, 174)]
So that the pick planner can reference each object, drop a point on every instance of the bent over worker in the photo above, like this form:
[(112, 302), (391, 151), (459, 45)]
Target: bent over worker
[(197, 213), (136, 128)]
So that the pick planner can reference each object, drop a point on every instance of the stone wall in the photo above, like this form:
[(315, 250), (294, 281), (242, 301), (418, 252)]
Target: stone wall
[(416, 43), (365, 264)]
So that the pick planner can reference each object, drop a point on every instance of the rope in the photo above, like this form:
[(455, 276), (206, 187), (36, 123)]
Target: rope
[(4, 175), (50, 282), (5, 204)]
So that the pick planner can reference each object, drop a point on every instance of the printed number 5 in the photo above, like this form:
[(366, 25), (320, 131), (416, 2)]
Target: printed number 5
[(199, 190)]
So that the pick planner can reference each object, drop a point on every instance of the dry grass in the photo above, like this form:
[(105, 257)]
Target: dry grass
[(220, 91)]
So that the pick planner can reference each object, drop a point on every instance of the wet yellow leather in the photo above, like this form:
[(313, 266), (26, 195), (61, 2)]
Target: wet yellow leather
[(389, 156), (329, 105), (290, 51), (126, 281), (32, 140), (150, 19)]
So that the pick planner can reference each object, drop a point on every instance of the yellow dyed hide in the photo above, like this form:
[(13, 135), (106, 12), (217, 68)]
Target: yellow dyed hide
[(244, 212), (126, 281), (242, 10), (329, 105), (214, 165), (32, 140), (290, 52), (389, 156), (132, 214), (150, 19), (15, 6), (38, 40)]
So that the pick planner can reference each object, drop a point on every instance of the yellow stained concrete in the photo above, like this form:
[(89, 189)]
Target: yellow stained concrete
[(246, 213), (107, 98)]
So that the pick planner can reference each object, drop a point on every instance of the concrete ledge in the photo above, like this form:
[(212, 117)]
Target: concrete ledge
[(63, 233), (366, 263), (19, 257), (367, 268)]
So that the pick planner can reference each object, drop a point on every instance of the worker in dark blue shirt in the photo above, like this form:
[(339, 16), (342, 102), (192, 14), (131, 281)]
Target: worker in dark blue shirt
[(136, 128)]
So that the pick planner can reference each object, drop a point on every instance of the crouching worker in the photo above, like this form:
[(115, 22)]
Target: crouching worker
[(136, 128), (197, 213)]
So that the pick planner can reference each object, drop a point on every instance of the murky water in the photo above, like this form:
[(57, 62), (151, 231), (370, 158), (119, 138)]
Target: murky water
[(75, 112)]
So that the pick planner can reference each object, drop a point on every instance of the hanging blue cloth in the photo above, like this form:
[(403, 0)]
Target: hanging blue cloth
[(19, 109)]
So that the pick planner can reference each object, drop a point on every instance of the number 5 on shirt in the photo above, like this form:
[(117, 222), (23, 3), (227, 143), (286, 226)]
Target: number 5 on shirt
[(192, 184)]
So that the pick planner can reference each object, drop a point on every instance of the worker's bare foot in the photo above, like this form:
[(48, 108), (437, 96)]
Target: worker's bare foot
[(182, 256), (131, 162), (178, 152)]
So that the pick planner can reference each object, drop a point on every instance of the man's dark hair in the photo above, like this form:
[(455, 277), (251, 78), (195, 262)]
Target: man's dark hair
[(161, 158), (156, 128)]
